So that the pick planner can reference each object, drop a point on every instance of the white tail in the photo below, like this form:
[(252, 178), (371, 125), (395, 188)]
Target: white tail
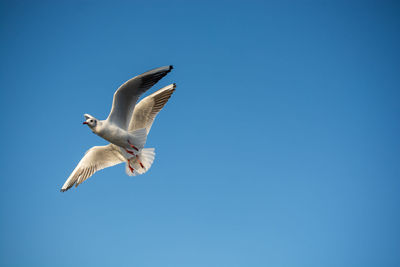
[(141, 163)]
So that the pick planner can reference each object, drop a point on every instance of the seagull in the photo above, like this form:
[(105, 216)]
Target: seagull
[(126, 128)]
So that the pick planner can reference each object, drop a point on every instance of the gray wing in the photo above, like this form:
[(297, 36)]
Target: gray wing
[(148, 108), (95, 159), (127, 95)]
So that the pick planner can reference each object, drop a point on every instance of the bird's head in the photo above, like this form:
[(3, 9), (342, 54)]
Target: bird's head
[(90, 120)]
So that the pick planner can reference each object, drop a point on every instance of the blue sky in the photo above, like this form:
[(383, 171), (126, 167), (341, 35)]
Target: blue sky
[(280, 146)]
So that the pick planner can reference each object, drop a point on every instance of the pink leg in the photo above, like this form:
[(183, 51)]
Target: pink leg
[(129, 152), (130, 168), (141, 165), (132, 146)]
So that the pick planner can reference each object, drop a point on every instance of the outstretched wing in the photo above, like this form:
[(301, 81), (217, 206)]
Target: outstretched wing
[(95, 159), (127, 95), (148, 108)]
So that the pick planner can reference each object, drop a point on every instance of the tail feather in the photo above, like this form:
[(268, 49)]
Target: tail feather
[(145, 157)]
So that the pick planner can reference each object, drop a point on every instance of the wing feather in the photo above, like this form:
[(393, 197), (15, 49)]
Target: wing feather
[(95, 159), (148, 108), (127, 95)]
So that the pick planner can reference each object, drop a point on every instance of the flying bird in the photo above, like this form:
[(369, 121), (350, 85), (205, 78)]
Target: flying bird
[(126, 128)]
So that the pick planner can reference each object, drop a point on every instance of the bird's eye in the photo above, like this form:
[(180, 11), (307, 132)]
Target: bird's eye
[(91, 120)]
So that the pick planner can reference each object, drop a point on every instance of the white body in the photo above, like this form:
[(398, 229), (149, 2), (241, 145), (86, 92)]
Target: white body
[(116, 135)]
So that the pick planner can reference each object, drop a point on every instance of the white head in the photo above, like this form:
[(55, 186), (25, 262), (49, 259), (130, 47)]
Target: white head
[(90, 121)]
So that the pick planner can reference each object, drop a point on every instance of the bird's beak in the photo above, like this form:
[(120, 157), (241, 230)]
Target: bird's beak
[(85, 122)]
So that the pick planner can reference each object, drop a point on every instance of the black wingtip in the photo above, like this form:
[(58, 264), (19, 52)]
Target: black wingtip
[(171, 67)]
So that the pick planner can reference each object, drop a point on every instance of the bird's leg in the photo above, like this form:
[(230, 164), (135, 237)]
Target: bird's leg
[(132, 146), (129, 152), (129, 165), (141, 165)]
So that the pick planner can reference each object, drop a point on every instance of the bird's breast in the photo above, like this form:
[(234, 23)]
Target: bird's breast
[(114, 135)]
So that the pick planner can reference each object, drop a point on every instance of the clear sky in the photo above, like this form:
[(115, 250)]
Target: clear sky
[(280, 146)]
